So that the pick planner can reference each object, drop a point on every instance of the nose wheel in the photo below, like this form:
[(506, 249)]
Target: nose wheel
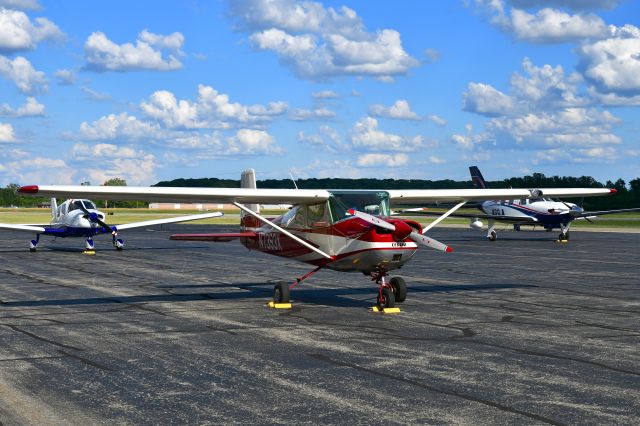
[(391, 291)]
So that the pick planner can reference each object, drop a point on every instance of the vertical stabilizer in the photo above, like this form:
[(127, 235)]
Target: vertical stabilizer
[(476, 178), (248, 180), (54, 208)]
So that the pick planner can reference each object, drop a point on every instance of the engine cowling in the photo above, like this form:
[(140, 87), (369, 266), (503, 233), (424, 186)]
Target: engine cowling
[(476, 224)]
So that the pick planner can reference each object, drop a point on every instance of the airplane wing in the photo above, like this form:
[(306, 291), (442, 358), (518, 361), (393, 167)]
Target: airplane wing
[(181, 194), (418, 196), (25, 228), (509, 219), (603, 212), (573, 192), (176, 219), (221, 237)]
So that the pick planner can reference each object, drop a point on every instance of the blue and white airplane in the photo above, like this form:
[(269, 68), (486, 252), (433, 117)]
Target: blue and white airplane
[(539, 210), (81, 218)]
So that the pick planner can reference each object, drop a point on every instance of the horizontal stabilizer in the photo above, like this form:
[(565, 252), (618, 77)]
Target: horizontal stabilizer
[(220, 238)]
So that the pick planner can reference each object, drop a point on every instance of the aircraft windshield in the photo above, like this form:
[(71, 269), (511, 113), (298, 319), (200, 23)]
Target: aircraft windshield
[(371, 202), (78, 204)]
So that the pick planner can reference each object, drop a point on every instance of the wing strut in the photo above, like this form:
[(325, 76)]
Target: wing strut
[(444, 216), (285, 232)]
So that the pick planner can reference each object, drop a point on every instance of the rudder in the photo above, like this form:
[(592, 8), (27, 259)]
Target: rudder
[(476, 178)]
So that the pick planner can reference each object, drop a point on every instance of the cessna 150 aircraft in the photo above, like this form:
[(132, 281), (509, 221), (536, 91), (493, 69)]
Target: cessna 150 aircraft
[(534, 211), (343, 230), (80, 218)]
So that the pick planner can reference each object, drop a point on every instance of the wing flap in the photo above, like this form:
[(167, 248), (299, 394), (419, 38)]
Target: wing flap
[(219, 237)]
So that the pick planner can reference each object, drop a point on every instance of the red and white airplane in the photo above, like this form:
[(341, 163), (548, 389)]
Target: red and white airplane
[(343, 230)]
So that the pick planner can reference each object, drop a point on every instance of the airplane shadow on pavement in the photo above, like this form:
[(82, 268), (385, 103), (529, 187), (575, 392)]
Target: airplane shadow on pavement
[(336, 297)]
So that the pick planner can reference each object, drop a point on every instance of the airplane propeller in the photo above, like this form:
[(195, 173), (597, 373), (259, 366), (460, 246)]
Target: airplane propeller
[(401, 231), (93, 217)]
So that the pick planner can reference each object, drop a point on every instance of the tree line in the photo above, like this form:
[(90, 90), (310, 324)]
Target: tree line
[(628, 195)]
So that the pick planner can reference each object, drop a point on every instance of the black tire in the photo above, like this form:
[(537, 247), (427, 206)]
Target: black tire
[(516, 228), (399, 289), (386, 299), (493, 236), (564, 236), (281, 293)]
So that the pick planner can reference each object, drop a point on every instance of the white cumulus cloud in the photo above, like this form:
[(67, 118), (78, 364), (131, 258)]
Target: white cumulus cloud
[(613, 63), (554, 26), (211, 109), (317, 43), (546, 26), (18, 33), (150, 52), (365, 135), (31, 108), (135, 166), (6, 133), (22, 73), (383, 160), (400, 110)]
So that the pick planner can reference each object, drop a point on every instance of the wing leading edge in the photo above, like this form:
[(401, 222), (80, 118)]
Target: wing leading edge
[(181, 194), (23, 228)]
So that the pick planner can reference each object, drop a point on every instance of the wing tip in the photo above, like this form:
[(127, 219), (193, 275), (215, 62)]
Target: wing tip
[(29, 189), (449, 249), (612, 191)]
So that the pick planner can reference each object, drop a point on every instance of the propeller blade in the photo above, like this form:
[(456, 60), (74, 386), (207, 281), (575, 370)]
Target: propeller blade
[(429, 242), (371, 219), (94, 218), (415, 236)]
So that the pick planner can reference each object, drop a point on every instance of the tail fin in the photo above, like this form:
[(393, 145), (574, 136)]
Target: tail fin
[(248, 180), (54, 207), (476, 178)]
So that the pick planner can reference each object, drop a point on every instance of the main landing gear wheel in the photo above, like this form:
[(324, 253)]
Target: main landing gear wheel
[(564, 236), (386, 299), (493, 235), (399, 289), (281, 293)]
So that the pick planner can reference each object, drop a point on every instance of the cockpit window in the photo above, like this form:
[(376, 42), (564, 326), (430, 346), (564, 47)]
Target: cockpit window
[(79, 204), (75, 205), (371, 202)]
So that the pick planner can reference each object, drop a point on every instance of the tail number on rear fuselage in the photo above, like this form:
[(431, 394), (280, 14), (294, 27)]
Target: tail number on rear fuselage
[(269, 241)]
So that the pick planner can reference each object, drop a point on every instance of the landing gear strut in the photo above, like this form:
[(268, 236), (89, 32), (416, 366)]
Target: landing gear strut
[(34, 244), (390, 292), (564, 234), (282, 290), (491, 233)]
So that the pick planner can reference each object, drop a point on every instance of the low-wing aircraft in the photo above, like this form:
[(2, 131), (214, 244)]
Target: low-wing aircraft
[(80, 218), (538, 210), (343, 230)]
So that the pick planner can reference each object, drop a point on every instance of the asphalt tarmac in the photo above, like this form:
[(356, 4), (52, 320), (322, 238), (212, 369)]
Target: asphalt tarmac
[(523, 330)]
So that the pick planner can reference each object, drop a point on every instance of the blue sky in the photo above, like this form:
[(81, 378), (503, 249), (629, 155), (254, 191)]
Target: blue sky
[(150, 91)]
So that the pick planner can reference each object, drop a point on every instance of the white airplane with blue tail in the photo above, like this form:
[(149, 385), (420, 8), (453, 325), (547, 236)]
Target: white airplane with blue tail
[(538, 210), (81, 218)]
